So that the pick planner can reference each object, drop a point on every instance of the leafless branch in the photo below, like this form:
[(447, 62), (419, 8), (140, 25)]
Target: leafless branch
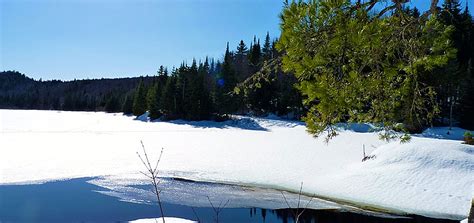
[(195, 214), (152, 174), (217, 209), (297, 213)]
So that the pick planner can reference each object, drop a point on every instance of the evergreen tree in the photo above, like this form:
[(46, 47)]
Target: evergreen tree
[(267, 48), (467, 98), (127, 106), (241, 61), (139, 100), (204, 101), (355, 66), (452, 81), (169, 97), (255, 54), (225, 83), (162, 71), (416, 13), (112, 104), (153, 97), (241, 48)]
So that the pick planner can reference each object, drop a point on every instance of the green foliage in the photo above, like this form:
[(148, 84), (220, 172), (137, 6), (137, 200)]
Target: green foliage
[(153, 97), (405, 138), (112, 104), (226, 80), (270, 90), (468, 134), (127, 106), (454, 81), (139, 100), (169, 95), (267, 48), (468, 138), (353, 66)]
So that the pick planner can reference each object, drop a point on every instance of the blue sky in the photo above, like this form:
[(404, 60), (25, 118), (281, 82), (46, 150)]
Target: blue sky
[(54, 39)]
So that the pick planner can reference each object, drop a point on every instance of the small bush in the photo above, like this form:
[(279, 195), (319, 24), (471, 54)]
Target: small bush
[(468, 138)]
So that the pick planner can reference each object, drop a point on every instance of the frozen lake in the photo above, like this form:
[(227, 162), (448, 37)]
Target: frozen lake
[(81, 200), (432, 175)]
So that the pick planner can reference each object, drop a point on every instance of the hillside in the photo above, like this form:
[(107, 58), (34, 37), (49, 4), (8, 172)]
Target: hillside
[(21, 92)]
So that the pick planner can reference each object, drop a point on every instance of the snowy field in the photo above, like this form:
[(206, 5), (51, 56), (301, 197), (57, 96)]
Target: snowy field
[(432, 175)]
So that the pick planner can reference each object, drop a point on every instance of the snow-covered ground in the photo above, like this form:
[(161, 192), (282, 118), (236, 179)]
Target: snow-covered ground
[(427, 176)]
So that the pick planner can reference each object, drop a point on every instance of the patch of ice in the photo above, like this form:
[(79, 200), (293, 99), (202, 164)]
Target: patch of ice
[(159, 220)]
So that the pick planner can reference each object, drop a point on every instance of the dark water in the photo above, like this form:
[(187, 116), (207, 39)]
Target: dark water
[(76, 200)]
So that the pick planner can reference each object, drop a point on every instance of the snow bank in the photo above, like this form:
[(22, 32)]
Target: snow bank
[(454, 133), (159, 220), (431, 177)]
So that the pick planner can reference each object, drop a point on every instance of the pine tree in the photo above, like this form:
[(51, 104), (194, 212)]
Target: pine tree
[(127, 107), (241, 62), (467, 100), (350, 67), (204, 101), (452, 80), (225, 83), (267, 48), (161, 71), (153, 97), (416, 13), (241, 48), (255, 54), (112, 104), (170, 96), (139, 100)]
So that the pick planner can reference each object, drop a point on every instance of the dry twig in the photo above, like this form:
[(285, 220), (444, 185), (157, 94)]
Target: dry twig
[(152, 174), (297, 213)]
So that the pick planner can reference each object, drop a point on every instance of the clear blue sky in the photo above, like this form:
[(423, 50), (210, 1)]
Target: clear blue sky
[(67, 39)]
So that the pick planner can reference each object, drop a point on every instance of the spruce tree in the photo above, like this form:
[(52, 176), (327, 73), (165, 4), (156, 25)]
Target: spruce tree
[(452, 81), (139, 100), (169, 98), (127, 106), (241, 61), (267, 48), (467, 98), (255, 53), (225, 83), (204, 100), (113, 103), (153, 97)]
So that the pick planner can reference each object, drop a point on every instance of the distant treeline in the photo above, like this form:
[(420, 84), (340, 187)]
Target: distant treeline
[(201, 90), (260, 79)]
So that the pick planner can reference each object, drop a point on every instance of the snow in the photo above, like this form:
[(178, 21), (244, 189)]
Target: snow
[(454, 133), (159, 220), (432, 175)]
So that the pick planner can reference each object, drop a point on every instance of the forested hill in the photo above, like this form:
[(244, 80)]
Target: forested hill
[(21, 92), (248, 80)]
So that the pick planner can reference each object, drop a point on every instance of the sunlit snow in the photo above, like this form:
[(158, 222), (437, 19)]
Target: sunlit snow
[(427, 176)]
